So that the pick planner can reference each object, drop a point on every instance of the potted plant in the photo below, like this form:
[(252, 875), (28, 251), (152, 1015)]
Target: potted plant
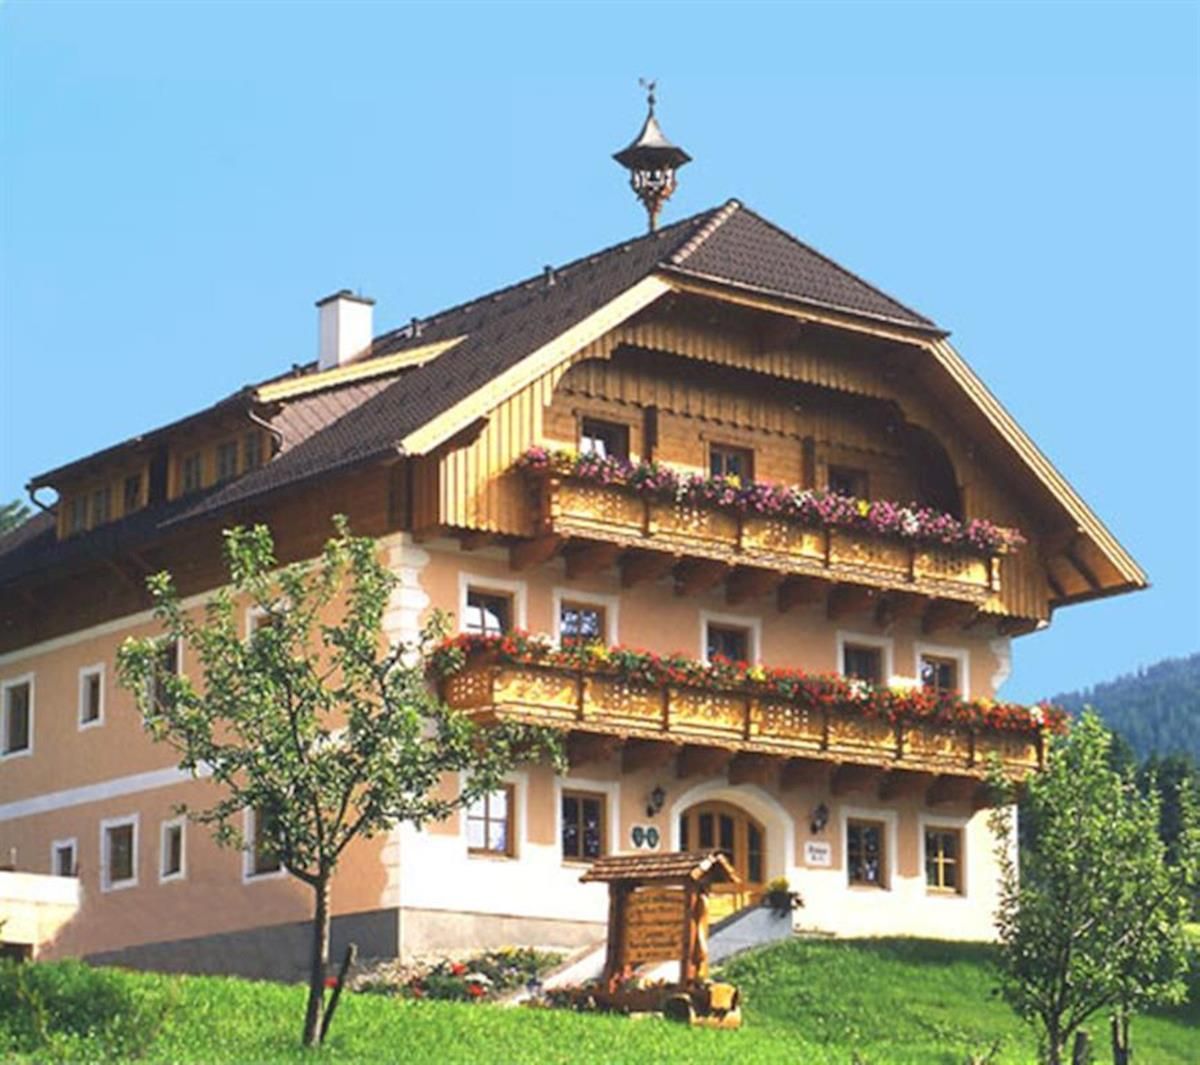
[(780, 897)]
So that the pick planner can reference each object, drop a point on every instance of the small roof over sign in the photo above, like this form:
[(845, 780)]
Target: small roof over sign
[(708, 867)]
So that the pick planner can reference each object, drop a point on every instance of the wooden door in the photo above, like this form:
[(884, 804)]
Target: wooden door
[(722, 826)]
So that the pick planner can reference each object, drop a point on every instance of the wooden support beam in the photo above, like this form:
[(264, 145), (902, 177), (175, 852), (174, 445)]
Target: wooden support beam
[(949, 788), (944, 614), (1016, 626), (746, 583), (847, 599), (803, 773), (898, 606), (639, 566), (700, 760), (586, 558), (475, 539), (849, 778), (1084, 570), (646, 754), (984, 797), (695, 576), (752, 769), (533, 552), (584, 748), (904, 783), (800, 591)]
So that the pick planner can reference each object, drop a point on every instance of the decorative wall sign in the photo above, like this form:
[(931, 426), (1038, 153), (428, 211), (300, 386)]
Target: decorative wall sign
[(655, 920), (818, 852), (645, 837)]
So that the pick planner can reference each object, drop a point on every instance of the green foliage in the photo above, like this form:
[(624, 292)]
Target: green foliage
[(12, 514), (1091, 918), (313, 720), (1156, 709), (475, 979), (893, 1002), (68, 1011)]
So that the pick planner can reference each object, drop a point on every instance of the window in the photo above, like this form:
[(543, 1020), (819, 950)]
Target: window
[(16, 727), (191, 472), (863, 663), (731, 462), (490, 821), (118, 850), (582, 826), (580, 623), (488, 613), (252, 452), (91, 696), (171, 851), (943, 859), (606, 440), (939, 674), (263, 859), (101, 505), (865, 854), (846, 481), (227, 460), (77, 520), (731, 642), (132, 493), (62, 858)]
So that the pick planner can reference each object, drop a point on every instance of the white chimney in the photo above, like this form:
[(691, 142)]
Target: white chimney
[(345, 328)]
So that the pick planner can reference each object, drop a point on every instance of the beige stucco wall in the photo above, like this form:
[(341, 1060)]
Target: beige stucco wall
[(34, 909)]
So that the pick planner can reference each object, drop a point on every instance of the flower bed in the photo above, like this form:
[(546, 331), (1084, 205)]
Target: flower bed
[(477, 978), (909, 522), (901, 704)]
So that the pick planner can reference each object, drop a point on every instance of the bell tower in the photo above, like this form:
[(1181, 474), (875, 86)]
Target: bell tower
[(652, 161)]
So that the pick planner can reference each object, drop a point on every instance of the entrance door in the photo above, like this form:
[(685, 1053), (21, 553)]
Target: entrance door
[(722, 826)]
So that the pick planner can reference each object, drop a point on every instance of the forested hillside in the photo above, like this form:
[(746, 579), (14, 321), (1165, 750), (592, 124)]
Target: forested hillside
[(1156, 709)]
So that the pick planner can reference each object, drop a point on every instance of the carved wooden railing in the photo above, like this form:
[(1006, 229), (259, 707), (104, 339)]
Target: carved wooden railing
[(576, 508), (597, 701)]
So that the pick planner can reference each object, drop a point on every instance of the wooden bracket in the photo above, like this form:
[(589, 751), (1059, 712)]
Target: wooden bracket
[(639, 566), (746, 583), (586, 747), (849, 778), (949, 788), (903, 783), (701, 760), (533, 552), (697, 575), (646, 754), (947, 614), (800, 591), (584, 559), (752, 769), (847, 599)]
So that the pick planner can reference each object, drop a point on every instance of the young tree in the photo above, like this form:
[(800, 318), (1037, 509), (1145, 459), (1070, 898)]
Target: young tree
[(313, 722), (1091, 915)]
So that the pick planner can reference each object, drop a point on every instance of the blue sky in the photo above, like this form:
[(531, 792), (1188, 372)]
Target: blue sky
[(180, 182)]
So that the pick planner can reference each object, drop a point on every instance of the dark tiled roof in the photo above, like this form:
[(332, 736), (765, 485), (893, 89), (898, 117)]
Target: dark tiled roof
[(338, 428)]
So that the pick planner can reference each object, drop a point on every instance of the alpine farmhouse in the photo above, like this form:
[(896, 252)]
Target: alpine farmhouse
[(709, 442)]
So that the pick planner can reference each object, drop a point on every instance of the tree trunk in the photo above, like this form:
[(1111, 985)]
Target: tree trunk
[(1120, 1038), (1081, 1053), (320, 962)]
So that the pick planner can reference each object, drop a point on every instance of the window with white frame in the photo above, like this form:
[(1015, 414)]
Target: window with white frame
[(118, 853), (866, 853), (63, 858), (91, 696), (262, 857), (171, 850), (730, 637), (488, 613), (490, 822), (16, 717)]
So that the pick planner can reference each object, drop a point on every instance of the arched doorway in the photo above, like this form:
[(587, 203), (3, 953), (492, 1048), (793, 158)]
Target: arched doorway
[(729, 829)]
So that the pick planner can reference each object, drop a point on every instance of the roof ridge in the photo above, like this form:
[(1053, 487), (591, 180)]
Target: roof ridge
[(836, 265), (570, 265), (718, 219)]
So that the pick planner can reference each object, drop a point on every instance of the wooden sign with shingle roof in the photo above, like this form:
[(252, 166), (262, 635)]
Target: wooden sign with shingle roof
[(658, 910)]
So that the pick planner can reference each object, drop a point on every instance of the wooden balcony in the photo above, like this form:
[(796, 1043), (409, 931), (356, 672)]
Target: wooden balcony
[(573, 510), (746, 725)]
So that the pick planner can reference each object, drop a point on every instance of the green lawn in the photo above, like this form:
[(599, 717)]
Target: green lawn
[(894, 1002)]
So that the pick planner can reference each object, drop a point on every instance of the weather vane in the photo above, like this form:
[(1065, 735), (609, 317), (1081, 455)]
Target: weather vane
[(652, 160)]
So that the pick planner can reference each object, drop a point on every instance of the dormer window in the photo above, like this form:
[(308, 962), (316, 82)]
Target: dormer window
[(252, 452), (227, 460), (77, 519), (101, 505), (132, 492), (191, 472)]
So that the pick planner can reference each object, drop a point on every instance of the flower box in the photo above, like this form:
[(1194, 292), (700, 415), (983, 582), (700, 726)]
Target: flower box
[(688, 526), (598, 508), (777, 538)]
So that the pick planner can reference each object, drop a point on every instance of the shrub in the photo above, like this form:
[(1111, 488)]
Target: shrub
[(70, 1011)]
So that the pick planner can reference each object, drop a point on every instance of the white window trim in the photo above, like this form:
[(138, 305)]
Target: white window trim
[(611, 790), (516, 589), (5, 687), (959, 654), (253, 613), (946, 824), (863, 639), (890, 820), (610, 603), (84, 674), (73, 843), (181, 823), (249, 834), (741, 621), (519, 781), (106, 884)]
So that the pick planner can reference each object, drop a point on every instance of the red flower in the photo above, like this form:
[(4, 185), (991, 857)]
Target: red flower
[(475, 990), (458, 968), (331, 981)]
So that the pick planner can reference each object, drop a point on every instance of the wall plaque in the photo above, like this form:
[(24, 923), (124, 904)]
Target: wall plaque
[(818, 852)]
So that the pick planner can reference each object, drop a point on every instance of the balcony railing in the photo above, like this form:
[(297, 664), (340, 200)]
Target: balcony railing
[(602, 701), (569, 507)]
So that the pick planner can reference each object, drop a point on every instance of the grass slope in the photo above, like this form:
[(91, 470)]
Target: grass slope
[(893, 1002)]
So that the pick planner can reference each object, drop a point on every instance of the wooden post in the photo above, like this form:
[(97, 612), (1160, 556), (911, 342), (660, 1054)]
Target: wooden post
[(689, 930), (618, 896), (335, 998)]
